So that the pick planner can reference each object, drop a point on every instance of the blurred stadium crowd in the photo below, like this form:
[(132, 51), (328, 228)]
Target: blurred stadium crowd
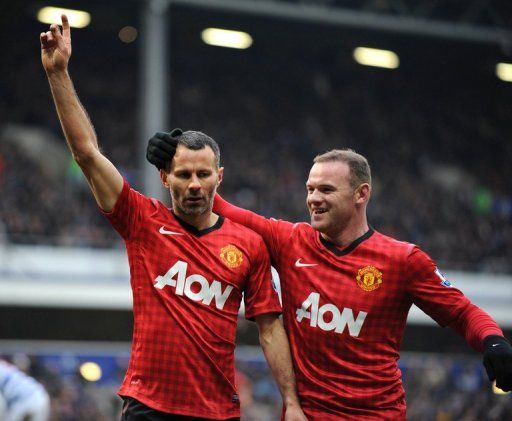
[(438, 149), (458, 386)]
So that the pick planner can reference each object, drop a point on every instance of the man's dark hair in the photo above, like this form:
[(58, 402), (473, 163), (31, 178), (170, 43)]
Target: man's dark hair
[(198, 140)]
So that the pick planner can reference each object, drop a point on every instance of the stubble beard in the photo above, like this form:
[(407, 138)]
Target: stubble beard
[(323, 226), (194, 210)]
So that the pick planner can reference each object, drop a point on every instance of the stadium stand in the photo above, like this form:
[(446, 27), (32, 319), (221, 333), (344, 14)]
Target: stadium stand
[(443, 155)]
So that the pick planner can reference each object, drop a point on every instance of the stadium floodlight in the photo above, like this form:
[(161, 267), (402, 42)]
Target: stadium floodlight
[(497, 391), (77, 18), (504, 71), (91, 371), (376, 58), (226, 38)]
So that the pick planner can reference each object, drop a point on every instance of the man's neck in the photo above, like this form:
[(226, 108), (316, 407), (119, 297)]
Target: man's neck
[(200, 222), (347, 236)]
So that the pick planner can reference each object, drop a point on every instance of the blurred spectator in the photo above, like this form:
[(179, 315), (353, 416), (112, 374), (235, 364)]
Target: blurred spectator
[(21, 396)]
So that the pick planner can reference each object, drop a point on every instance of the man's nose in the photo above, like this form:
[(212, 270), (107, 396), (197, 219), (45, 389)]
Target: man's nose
[(194, 183), (314, 197)]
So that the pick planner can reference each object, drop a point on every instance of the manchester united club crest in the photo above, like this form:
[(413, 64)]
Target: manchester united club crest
[(369, 278), (231, 256)]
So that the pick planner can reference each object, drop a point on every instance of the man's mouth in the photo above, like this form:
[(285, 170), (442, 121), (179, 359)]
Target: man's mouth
[(318, 211), (193, 199)]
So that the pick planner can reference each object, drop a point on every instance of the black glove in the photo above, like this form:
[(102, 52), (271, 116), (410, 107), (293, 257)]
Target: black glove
[(162, 147), (498, 361)]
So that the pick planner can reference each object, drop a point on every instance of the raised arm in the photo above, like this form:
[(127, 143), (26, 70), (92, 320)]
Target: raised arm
[(276, 348), (105, 181)]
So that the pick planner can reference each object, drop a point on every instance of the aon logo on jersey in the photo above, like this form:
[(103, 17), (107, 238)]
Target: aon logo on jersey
[(328, 317), (203, 292)]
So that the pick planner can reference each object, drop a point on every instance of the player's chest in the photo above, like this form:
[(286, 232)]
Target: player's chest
[(347, 282), (180, 257)]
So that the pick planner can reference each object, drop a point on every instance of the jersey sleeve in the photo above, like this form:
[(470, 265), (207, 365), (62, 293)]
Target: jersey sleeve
[(260, 294), (126, 216), (274, 232), (447, 305)]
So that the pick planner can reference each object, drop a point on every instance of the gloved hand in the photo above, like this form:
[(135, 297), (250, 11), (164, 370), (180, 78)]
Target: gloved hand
[(162, 147), (498, 361)]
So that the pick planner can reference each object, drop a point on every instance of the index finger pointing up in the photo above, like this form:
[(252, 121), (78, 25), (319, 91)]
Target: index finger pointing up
[(66, 29)]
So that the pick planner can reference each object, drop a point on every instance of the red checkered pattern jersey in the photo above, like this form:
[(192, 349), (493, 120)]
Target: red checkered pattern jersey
[(345, 313), (187, 287)]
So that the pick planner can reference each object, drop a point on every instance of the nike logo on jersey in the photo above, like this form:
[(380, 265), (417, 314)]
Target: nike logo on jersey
[(493, 345), (299, 264), (163, 231)]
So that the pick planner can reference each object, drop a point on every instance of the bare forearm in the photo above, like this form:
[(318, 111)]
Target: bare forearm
[(276, 348), (105, 181), (74, 120)]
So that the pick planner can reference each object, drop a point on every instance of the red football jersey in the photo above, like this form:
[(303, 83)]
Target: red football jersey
[(187, 287), (345, 312)]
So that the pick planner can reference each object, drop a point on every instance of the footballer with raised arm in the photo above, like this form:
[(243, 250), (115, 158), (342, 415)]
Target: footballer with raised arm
[(189, 268)]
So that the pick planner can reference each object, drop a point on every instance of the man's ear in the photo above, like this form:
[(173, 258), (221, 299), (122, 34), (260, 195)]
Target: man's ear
[(363, 193), (163, 178), (221, 174)]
